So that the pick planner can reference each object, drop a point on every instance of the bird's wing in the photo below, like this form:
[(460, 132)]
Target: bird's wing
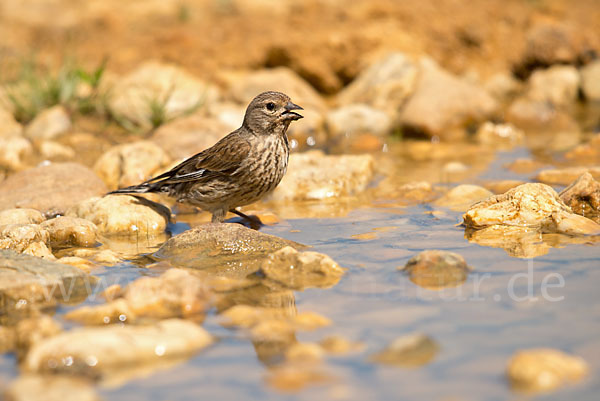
[(223, 158)]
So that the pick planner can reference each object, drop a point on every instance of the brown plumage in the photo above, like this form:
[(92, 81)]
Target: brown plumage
[(238, 170)]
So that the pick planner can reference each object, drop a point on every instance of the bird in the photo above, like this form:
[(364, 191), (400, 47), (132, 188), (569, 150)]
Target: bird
[(239, 169)]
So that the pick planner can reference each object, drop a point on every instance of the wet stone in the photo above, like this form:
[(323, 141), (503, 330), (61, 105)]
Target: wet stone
[(588, 153), (227, 249), (583, 196), (99, 351), (27, 280), (123, 215), (31, 239), (566, 176), (51, 188), (70, 231), (298, 270), (435, 269), (409, 351), (544, 369)]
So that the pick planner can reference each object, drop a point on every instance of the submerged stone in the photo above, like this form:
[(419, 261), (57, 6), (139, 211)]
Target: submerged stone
[(223, 248), (544, 369), (409, 351), (435, 269), (298, 270)]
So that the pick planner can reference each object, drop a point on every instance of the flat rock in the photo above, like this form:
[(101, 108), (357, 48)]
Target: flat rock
[(544, 369), (192, 134), (49, 124), (51, 188), (13, 151), (130, 163), (314, 175), (26, 280), (461, 197), (70, 231), (583, 196), (123, 214), (385, 85), (21, 216), (32, 387), (93, 351), (529, 206), (590, 80), (442, 101), (229, 249), (435, 269), (298, 270), (169, 87), (565, 176), (175, 293)]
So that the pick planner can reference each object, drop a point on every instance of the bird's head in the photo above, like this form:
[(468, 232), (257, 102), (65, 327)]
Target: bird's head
[(271, 112)]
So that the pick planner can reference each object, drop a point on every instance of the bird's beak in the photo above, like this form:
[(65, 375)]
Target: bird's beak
[(288, 114)]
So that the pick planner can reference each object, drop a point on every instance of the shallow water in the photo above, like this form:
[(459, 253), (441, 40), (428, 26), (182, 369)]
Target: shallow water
[(477, 325)]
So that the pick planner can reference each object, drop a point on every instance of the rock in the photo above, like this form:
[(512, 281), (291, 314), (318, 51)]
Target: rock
[(544, 369), (70, 231), (558, 86), (461, 197), (385, 85), (500, 136), (9, 127), (13, 151), (51, 188), (586, 153), (26, 238), (502, 86), (130, 163), (533, 115), (524, 166), (31, 387), (583, 196), (27, 280), (93, 351), (339, 345), (32, 330), (189, 135), (356, 119), (442, 101), (590, 81), (299, 270), (55, 151), (175, 293), (409, 351), (529, 206), (435, 269), (313, 175), (229, 249), (549, 43), (565, 176), (304, 352), (49, 124), (158, 85), (20, 216), (293, 377), (123, 214)]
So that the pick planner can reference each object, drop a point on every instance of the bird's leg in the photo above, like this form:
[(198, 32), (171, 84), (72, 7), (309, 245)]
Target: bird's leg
[(254, 221), (218, 216)]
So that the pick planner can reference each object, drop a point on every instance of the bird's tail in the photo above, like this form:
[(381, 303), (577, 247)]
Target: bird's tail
[(134, 189)]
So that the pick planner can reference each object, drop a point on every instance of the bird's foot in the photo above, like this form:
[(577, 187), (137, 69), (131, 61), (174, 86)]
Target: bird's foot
[(252, 222)]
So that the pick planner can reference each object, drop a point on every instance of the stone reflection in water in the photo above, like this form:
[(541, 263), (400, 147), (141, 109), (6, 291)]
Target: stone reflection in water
[(436, 270), (409, 351)]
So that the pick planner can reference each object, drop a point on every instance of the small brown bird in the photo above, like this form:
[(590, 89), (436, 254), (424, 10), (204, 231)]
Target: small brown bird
[(238, 170)]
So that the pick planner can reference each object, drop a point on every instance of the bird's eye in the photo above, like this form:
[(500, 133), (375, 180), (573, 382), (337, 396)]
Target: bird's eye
[(271, 106)]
